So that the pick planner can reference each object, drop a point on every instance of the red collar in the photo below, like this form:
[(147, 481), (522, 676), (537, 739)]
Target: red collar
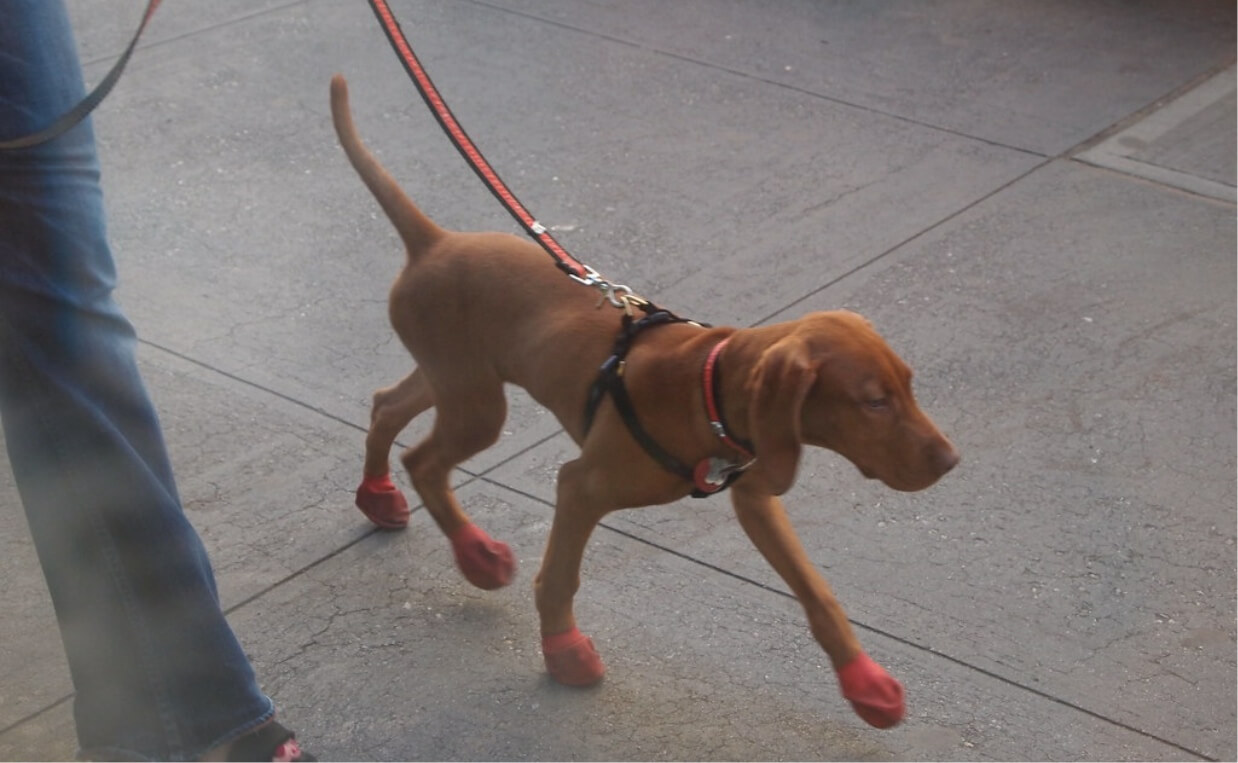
[(714, 474), (709, 380)]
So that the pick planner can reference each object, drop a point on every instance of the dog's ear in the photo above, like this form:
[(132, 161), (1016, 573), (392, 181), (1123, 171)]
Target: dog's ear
[(778, 386)]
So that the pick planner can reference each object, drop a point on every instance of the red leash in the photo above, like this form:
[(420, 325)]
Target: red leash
[(468, 149)]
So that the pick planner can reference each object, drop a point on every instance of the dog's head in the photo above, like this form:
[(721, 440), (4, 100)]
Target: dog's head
[(833, 382)]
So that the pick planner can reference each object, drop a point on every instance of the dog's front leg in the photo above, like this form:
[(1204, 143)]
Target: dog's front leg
[(875, 695), (570, 656)]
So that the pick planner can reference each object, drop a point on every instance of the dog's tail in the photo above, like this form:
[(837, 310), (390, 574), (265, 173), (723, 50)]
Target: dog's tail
[(417, 230)]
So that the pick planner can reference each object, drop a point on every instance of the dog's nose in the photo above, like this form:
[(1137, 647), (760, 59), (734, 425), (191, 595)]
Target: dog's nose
[(945, 457)]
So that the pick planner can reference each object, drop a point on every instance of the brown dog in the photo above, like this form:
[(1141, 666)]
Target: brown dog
[(477, 310)]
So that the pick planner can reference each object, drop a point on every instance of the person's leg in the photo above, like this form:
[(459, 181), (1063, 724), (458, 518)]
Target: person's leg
[(156, 669)]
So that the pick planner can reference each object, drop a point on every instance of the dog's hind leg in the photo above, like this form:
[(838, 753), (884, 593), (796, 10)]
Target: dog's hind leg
[(468, 420), (394, 407)]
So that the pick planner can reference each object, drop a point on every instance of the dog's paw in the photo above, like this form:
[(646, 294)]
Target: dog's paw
[(383, 503), (571, 658), (485, 562), (876, 695)]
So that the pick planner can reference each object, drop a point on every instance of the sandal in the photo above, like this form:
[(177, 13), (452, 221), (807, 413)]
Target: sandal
[(271, 742)]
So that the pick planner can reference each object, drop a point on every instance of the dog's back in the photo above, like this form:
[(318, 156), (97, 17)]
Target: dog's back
[(484, 303)]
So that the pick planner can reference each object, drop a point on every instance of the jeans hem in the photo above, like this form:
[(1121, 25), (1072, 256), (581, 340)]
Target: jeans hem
[(242, 730)]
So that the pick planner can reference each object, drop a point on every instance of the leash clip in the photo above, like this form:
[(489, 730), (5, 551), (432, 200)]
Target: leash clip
[(621, 296), (590, 278), (617, 294)]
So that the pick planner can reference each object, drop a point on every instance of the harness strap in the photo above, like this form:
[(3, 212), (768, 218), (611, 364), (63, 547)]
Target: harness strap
[(711, 475), (612, 368), (623, 404)]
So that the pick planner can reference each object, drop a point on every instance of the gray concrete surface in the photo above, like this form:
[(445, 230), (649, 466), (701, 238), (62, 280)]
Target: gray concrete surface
[(972, 176)]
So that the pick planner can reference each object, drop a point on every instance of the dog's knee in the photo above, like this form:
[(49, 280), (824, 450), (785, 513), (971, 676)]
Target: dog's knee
[(424, 469), (389, 409), (379, 404)]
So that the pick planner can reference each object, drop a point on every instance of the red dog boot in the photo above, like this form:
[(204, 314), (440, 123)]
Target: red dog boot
[(874, 694), (383, 503), (485, 562), (571, 658)]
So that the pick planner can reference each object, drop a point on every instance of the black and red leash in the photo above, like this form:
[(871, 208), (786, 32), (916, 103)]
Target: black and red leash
[(618, 294), (82, 109)]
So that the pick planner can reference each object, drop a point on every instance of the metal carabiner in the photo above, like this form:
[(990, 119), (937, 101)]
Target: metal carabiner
[(590, 278), (621, 296), (618, 295)]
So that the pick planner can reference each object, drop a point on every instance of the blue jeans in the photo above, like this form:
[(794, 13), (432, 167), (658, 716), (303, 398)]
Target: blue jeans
[(156, 670)]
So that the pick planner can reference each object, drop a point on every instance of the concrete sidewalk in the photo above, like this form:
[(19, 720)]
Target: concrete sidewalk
[(1033, 201)]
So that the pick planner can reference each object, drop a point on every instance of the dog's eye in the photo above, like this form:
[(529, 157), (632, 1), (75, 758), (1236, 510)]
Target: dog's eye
[(877, 404)]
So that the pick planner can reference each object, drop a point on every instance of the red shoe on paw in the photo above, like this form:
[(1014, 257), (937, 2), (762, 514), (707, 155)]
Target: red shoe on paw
[(485, 562), (876, 696), (383, 503), (571, 659)]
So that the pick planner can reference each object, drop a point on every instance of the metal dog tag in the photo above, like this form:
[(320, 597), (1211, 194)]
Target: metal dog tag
[(710, 474)]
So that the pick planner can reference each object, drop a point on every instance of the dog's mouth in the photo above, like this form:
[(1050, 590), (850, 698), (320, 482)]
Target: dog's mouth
[(898, 482), (910, 478)]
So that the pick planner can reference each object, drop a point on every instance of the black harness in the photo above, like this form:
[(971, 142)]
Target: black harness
[(710, 476)]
